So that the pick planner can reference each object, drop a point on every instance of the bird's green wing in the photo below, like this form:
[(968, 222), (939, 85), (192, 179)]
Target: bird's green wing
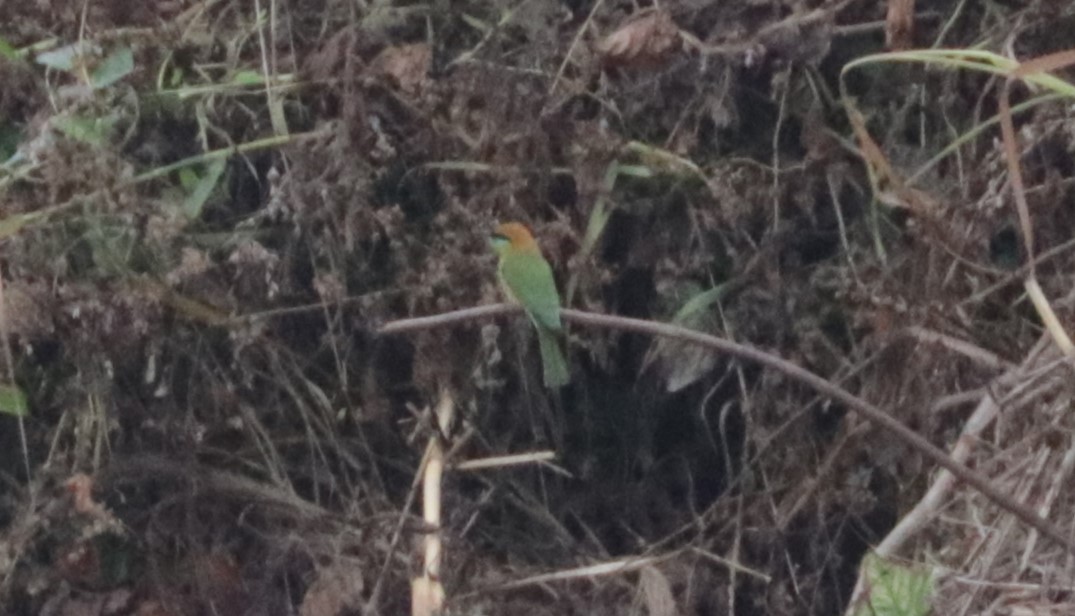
[(529, 278)]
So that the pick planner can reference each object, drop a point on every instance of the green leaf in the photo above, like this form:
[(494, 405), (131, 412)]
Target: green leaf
[(64, 58), (195, 201), (10, 136), (699, 303), (188, 179), (247, 78), (7, 51), (680, 364), (114, 67), (13, 224), (660, 159), (635, 171), (94, 131), (476, 23), (175, 79), (12, 401), (896, 590)]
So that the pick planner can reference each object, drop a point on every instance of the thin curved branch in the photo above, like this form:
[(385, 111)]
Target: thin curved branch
[(866, 410), (447, 318)]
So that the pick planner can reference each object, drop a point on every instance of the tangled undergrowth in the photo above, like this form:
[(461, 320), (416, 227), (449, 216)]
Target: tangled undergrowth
[(208, 209)]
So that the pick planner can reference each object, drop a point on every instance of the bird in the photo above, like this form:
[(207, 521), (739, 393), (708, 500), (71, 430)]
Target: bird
[(526, 278)]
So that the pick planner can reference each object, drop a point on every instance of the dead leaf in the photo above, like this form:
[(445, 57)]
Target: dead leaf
[(25, 310), (646, 39), (218, 580), (888, 183), (335, 590), (406, 65), (80, 486), (656, 592), (899, 25), (79, 563), (334, 58), (682, 364)]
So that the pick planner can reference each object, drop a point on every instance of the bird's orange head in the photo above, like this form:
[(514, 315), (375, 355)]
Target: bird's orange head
[(515, 237)]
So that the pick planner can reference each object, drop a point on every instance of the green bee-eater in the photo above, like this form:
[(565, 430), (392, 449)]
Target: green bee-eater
[(526, 278)]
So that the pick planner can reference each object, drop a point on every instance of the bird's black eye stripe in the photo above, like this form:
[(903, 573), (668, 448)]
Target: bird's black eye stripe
[(500, 236)]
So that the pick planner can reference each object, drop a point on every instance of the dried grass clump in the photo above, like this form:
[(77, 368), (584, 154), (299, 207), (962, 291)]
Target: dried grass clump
[(993, 565)]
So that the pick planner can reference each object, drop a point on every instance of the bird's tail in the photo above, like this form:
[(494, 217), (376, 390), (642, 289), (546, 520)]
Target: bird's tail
[(552, 359)]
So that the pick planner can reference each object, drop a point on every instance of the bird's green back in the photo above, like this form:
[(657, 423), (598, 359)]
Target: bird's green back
[(529, 278)]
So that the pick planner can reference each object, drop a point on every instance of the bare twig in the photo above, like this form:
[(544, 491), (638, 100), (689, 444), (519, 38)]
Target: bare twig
[(967, 349), (574, 43), (447, 318), (504, 461), (863, 408), (608, 568)]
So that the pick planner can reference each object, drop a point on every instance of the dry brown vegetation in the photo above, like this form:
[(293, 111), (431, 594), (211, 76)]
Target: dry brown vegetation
[(198, 255)]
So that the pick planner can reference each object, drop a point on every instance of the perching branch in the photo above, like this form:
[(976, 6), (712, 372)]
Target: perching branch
[(447, 318), (866, 410)]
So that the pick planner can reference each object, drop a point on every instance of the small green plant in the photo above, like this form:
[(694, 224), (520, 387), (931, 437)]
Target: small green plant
[(78, 58)]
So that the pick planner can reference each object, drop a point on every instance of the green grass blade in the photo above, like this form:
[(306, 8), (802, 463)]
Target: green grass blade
[(13, 401)]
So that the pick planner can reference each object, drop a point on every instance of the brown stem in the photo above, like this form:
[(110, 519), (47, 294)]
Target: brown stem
[(868, 411)]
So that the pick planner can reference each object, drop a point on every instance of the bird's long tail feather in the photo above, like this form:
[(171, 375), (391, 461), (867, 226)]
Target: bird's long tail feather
[(552, 359)]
